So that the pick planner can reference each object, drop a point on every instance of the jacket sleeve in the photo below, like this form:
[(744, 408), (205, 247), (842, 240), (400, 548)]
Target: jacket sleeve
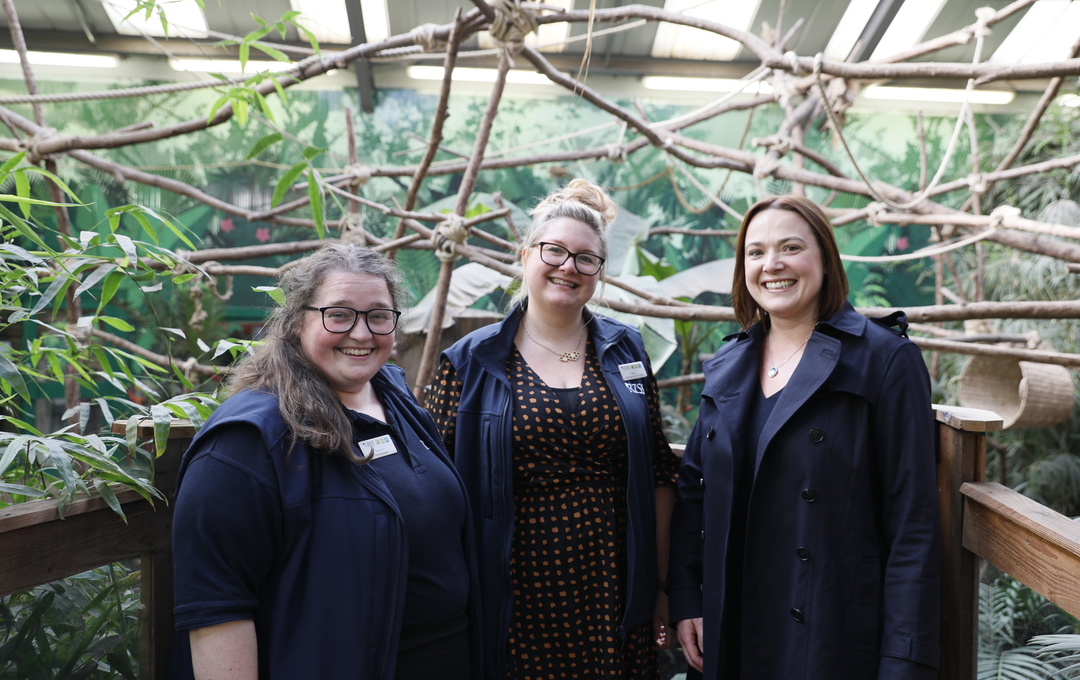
[(684, 565), (904, 439), (226, 530)]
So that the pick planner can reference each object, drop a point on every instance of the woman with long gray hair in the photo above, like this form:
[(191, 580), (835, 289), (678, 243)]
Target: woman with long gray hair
[(321, 531)]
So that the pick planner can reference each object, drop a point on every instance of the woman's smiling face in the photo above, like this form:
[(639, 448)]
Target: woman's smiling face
[(348, 360), (784, 268), (561, 286)]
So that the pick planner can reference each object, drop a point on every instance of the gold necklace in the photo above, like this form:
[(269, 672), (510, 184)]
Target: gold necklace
[(564, 356), (776, 369)]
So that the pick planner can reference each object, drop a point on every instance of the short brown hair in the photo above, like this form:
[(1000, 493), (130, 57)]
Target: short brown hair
[(834, 285)]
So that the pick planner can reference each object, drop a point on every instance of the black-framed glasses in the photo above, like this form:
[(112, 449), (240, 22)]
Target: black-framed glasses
[(343, 319), (555, 255)]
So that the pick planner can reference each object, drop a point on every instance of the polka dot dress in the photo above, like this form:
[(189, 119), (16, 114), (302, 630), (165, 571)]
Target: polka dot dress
[(568, 557)]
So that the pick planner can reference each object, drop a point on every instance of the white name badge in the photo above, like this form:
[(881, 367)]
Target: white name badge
[(633, 371), (377, 447)]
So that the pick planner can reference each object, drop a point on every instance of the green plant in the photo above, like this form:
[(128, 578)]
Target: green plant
[(85, 626), (1010, 614)]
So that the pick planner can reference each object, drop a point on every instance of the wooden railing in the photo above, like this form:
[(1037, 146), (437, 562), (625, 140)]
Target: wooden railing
[(37, 546), (1030, 542)]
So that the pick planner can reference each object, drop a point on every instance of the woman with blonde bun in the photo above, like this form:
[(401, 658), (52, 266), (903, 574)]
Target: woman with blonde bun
[(553, 420)]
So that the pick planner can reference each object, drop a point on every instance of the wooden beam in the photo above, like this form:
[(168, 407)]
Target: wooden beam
[(1026, 540)]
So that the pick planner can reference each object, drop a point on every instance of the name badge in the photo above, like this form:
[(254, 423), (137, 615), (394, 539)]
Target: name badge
[(633, 371), (377, 447)]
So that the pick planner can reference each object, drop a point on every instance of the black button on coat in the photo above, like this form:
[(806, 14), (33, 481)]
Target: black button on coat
[(844, 475)]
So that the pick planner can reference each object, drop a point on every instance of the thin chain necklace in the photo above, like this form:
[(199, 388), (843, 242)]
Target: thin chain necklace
[(563, 356), (775, 369)]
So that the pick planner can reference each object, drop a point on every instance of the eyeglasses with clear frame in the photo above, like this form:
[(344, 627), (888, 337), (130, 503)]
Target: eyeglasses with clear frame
[(343, 319), (555, 255)]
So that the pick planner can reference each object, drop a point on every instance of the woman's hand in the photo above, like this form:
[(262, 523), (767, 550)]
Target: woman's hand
[(660, 622), (691, 638), (225, 651)]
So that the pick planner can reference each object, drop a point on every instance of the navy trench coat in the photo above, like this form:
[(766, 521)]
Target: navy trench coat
[(841, 558)]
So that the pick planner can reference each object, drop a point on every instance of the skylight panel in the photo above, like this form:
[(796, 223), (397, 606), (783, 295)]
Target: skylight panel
[(909, 27), (185, 18), (328, 20), (849, 29), (376, 19), (684, 42), (1045, 33)]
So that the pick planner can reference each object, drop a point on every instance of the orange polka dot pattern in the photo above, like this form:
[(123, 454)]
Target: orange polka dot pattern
[(568, 557)]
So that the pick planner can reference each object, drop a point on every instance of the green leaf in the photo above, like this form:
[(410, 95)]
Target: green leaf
[(116, 323), (264, 106), (315, 197), (243, 55), (286, 182), (12, 163), (272, 52), (275, 293), (240, 109), (128, 246), (21, 490), (96, 275), (22, 188), (311, 152), (24, 229), (109, 288), (162, 422), (17, 446), (264, 144), (110, 498), (10, 374)]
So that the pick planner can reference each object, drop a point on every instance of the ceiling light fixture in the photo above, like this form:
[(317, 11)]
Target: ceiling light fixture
[(62, 59), (477, 75), (226, 66), (1044, 34), (908, 27), (685, 42), (683, 84), (937, 95), (849, 29)]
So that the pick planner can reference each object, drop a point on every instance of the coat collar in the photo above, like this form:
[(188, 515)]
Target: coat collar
[(494, 350)]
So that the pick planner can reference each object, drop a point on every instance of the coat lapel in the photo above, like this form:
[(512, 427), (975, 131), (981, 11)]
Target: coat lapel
[(820, 358)]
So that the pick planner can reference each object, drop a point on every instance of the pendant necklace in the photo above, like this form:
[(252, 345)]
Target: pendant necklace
[(563, 356), (776, 369)]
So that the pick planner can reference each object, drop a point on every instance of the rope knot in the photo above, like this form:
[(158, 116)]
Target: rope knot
[(875, 212), (358, 174), (977, 182), (793, 60), (765, 166), (1002, 213), (449, 232), (424, 36), (513, 21), (982, 26), (352, 230), (616, 153), (32, 143)]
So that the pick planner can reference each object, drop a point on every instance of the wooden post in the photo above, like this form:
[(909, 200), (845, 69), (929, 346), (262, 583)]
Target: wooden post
[(961, 458), (156, 587)]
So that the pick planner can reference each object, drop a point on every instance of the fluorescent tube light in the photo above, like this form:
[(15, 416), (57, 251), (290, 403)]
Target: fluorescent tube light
[(185, 18), (937, 95), (1070, 100), (226, 66), (327, 20), (477, 75), (682, 84), (61, 59)]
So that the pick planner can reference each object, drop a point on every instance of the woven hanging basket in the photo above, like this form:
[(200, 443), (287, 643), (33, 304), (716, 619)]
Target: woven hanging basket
[(1025, 394)]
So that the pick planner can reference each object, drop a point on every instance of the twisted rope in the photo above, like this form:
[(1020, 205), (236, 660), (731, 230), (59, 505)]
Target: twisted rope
[(358, 174), (121, 93), (424, 36), (513, 21), (449, 232)]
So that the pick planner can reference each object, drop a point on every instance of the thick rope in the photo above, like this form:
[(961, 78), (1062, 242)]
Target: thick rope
[(121, 93), (449, 232), (358, 174), (513, 21), (424, 36), (922, 254)]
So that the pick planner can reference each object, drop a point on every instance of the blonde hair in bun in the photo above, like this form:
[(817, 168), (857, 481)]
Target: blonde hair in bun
[(579, 200)]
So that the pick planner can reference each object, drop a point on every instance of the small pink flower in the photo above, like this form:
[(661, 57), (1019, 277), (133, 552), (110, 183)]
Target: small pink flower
[(902, 243), (227, 225), (262, 234)]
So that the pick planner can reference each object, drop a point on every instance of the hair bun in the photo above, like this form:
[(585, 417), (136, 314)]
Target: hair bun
[(584, 192)]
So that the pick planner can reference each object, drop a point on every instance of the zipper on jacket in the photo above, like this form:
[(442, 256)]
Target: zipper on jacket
[(393, 598)]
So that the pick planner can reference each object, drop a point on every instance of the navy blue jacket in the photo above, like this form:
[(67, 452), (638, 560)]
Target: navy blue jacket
[(482, 453), (841, 563), (325, 574)]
